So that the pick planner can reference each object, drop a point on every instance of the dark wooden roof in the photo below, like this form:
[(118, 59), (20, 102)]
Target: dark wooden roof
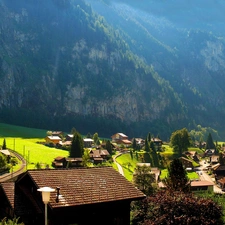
[(85, 186), (9, 189)]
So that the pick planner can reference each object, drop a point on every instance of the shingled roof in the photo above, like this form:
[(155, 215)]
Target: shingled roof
[(85, 186), (9, 189)]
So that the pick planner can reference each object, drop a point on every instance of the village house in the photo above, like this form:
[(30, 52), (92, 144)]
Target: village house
[(53, 140), (57, 133), (202, 185), (214, 159), (120, 139), (63, 162), (218, 171), (99, 155), (69, 137), (187, 163), (82, 196), (88, 142), (158, 142)]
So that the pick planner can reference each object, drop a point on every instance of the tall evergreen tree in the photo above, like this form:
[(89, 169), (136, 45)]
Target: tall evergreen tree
[(77, 146), (134, 144), (149, 137), (73, 130), (108, 147), (147, 148), (177, 179), (152, 146), (209, 143), (4, 144)]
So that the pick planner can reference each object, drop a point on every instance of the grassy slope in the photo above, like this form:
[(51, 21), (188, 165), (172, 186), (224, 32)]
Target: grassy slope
[(7, 130), (24, 141), (123, 160)]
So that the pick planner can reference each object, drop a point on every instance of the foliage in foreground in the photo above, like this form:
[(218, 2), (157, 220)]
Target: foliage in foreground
[(144, 179), (10, 222), (177, 179), (177, 208)]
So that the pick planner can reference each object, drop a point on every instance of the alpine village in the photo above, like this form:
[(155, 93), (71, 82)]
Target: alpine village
[(112, 112)]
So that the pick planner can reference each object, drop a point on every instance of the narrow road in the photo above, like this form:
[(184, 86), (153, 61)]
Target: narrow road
[(8, 176), (120, 168), (204, 176)]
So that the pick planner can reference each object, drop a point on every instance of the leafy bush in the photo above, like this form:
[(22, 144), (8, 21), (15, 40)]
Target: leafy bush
[(6, 221)]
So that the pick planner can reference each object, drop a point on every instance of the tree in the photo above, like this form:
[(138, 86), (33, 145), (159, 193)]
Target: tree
[(77, 146), (88, 135), (3, 161), (85, 158), (177, 208), (134, 144), (49, 133), (180, 141), (152, 146), (95, 138), (73, 130), (177, 179), (209, 143), (147, 148), (149, 137), (4, 144), (108, 147), (143, 179)]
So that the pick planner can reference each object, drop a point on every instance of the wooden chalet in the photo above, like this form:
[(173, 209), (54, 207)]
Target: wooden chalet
[(53, 139), (187, 163), (85, 196), (57, 133), (88, 142), (121, 138), (69, 137), (158, 142), (59, 162), (99, 155), (219, 171), (202, 185)]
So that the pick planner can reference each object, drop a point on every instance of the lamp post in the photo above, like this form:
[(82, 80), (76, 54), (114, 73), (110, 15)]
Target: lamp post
[(45, 198)]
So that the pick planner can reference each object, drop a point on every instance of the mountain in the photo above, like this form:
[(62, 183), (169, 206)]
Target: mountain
[(112, 66)]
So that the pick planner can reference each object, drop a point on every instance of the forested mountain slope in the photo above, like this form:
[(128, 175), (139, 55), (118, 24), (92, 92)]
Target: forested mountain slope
[(106, 67)]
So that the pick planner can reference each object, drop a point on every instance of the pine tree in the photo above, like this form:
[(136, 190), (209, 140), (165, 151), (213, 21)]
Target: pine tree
[(147, 148), (209, 143), (77, 146), (134, 144), (4, 144), (108, 147), (149, 137), (177, 179)]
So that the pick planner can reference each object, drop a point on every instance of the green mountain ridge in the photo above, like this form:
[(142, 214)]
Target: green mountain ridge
[(63, 65)]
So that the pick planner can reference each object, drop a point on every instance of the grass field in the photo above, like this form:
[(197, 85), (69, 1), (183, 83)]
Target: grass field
[(32, 151), (24, 141), (128, 165)]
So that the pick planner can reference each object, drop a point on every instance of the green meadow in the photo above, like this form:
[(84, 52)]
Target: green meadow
[(25, 141)]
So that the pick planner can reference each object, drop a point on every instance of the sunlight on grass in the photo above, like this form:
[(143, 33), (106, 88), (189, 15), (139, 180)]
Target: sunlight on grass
[(128, 165), (33, 152), (191, 175)]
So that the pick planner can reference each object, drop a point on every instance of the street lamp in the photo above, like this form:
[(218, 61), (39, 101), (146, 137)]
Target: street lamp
[(45, 198)]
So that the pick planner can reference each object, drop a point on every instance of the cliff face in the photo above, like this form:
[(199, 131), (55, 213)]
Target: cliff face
[(62, 65)]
